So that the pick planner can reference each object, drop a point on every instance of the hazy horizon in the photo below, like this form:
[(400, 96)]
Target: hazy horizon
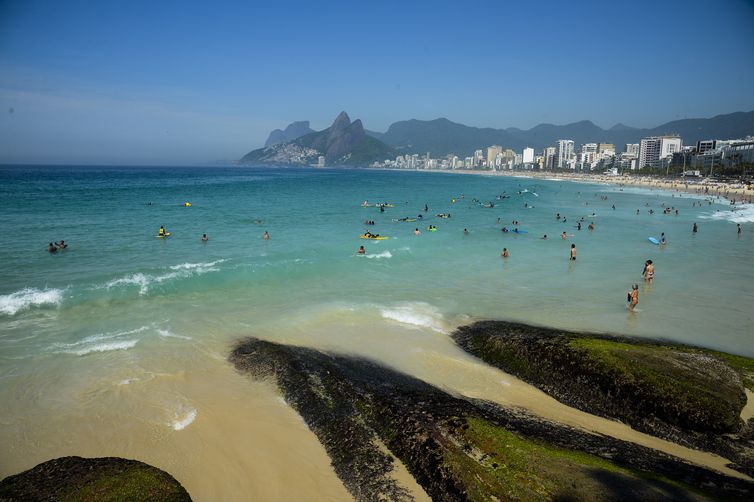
[(185, 83)]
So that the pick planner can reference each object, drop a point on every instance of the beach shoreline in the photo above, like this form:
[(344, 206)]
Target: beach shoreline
[(733, 192)]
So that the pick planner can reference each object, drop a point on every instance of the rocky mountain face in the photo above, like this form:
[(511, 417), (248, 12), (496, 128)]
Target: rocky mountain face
[(343, 143), (294, 131)]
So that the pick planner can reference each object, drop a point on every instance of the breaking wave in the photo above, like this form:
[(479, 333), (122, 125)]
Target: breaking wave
[(28, 298), (418, 314)]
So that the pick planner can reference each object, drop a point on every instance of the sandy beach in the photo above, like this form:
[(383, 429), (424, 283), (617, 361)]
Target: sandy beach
[(735, 192)]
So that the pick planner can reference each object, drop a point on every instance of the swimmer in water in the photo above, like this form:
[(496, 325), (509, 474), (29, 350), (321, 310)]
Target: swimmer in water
[(465, 231), (649, 271), (563, 236), (505, 253), (205, 238), (633, 298), (694, 229), (591, 226), (417, 231), (361, 250), (573, 252), (52, 248), (544, 237), (266, 236)]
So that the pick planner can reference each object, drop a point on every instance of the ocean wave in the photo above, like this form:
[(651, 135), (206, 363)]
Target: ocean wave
[(196, 266), (181, 423), (384, 254), (101, 342), (28, 298), (744, 214), (145, 281), (418, 314), (169, 334), (104, 347)]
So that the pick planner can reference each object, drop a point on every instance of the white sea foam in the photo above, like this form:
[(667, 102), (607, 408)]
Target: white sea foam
[(418, 314), (196, 266), (105, 347), (384, 254), (101, 342), (743, 214), (145, 281), (165, 333), (27, 298), (185, 421)]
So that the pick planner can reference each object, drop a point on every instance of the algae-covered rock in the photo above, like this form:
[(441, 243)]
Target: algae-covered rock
[(73, 479), (458, 448), (624, 378)]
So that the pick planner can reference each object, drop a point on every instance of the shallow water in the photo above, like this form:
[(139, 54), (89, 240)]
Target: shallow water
[(118, 345)]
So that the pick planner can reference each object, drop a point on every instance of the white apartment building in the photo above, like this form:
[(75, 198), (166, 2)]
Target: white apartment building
[(565, 152), (528, 156), (656, 148)]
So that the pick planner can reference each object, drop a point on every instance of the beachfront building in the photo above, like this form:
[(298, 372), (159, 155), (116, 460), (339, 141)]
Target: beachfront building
[(492, 153), (478, 158), (550, 157), (655, 149), (528, 156), (565, 154), (631, 150)]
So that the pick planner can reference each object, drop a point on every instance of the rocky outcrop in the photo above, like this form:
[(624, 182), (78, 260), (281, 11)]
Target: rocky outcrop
[(458, 448), (294, 131), (685, 394), (343, 143), (102, 479)]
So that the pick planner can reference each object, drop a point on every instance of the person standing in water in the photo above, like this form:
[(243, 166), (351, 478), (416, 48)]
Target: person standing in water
[(505, 253), (205, 238), (417, 231), (649, 271), (694, 229), (633, 298), (738, 229), (573, 252), (266, 236)]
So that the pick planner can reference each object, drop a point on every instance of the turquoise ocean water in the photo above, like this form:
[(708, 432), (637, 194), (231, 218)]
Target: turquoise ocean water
[(121, 306)]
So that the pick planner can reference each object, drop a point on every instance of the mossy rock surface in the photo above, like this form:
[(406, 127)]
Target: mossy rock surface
[(458, 448), (632, 380), (74, 479)]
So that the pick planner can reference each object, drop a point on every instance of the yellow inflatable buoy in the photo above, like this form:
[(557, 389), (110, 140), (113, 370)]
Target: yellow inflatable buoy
[(187, 204)]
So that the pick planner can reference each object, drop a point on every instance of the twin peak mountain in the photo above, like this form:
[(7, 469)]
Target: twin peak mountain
[(347, 143), (344, 143)]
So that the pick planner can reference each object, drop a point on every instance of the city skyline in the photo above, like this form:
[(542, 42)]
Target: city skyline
[(182, 83)]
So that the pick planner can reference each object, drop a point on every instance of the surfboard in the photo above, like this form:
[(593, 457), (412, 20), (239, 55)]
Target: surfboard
[(653, 240)]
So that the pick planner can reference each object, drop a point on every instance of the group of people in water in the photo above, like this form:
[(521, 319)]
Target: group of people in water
[(54, 247)]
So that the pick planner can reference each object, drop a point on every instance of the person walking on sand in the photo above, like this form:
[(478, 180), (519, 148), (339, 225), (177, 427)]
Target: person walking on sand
[(633, 298), (573, 252)]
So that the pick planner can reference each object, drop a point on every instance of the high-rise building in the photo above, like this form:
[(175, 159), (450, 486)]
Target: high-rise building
[(632, 150), (478, 158), (649, 151), (492, 152), (656, 148), (528, 156), (550, 157), (703, 146), (565, 152), (321, 161), (605, 148)]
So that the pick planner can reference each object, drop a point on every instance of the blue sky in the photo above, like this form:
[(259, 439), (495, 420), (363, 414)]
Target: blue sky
[(166, 82)]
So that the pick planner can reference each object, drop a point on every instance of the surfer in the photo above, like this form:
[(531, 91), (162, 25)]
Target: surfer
[(162, 232), (573, 252)]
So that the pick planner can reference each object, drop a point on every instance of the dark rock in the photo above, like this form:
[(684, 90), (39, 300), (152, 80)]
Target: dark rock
[(688, 395), (101, 479), (447, 443)]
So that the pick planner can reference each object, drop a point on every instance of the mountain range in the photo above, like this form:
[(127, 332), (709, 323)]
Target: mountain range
[(293, 131), (344, 143), (441, 136)]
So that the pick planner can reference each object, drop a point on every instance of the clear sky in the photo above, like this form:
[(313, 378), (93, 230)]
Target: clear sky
[(170, 82)]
